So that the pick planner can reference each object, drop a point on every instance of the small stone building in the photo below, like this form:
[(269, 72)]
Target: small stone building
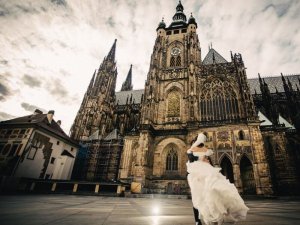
[(35, 146)]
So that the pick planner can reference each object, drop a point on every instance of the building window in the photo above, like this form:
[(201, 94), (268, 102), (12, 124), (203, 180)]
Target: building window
[(6, 149), (183, 31), (52, 160), (241, 135), (57, 142), (8, 133), (16, 131), (178, 61), (13, 150), (19, 149), (169, 32), (176, 31), (72, 149), (172, 61), (218, 101), (2, 146), (32, 152), (172, 160), (173, 104)]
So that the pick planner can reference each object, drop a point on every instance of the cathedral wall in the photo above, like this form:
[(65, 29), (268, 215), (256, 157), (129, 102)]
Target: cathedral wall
[(128, 158), (238, 151), (282, 163), (160, 156)]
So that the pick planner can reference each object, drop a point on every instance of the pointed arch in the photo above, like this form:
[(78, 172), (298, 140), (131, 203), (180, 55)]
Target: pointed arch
[(247, 175), (174, 86), (172, 160), (227, 169)]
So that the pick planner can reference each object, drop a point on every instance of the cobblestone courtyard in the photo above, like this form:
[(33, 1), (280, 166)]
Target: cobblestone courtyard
[(92, 210)]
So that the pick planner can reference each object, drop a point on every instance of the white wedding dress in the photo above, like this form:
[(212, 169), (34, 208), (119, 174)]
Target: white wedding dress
[(216, 199)]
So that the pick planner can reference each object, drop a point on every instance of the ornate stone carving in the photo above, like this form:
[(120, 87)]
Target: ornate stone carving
[(223, 136), (173, 104)]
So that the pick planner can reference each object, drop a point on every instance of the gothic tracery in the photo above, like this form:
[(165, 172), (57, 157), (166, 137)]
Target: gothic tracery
[(173, 104), (218, 101)]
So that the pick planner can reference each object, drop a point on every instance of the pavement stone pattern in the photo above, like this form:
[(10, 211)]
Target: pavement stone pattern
[(99, 210)]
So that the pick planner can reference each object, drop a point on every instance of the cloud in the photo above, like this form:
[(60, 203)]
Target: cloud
[(4, 90), (31, 81), (59, 2), (54, 46), (4, 62), (57, 89), (5, 116), (30, 108)]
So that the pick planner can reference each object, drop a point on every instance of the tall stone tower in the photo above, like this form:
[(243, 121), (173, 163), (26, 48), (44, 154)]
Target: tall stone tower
[(95, 115), (184, 96)]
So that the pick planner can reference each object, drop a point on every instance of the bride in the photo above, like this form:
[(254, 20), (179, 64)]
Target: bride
[(216, 199)]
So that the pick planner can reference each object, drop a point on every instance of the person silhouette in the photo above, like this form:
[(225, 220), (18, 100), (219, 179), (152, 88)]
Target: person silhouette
[(213, 196)]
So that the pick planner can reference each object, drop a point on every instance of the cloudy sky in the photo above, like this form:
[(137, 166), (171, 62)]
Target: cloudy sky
[(50, 48)]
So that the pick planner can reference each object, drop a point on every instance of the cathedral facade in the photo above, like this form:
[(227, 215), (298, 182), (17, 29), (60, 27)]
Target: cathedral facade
[(144, 134)]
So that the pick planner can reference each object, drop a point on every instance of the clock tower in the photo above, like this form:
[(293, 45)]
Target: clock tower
[(169, 104), (170, 86)]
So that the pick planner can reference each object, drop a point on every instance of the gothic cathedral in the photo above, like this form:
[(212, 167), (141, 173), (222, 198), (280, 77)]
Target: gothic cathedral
[(152, 129)]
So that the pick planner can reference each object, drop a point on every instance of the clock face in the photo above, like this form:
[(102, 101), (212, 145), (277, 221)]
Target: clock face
[(175, 51)]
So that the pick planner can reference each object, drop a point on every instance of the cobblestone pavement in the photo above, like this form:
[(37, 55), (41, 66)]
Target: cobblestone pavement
[(92, 210)]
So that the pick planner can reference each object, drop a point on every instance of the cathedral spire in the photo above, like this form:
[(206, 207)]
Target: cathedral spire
[(285, 86), (112, 52), (179, 16), (127, 85), (259, 78), (92, 81)]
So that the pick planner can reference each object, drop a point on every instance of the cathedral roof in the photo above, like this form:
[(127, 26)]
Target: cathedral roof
[(273, 83), (114, 135), (286, 123), (264, 120), (122, 96), (213, 57)]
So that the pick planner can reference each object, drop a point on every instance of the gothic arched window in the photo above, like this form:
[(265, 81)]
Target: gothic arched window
[(173, 104), (172, 160), (218, 101), (172, 61), (178, 61)]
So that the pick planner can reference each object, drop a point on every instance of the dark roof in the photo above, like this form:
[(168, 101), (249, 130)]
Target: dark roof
[(273, 82), (121, 96), (253, 83), (66, 153), (39, 120), (213, 57)]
